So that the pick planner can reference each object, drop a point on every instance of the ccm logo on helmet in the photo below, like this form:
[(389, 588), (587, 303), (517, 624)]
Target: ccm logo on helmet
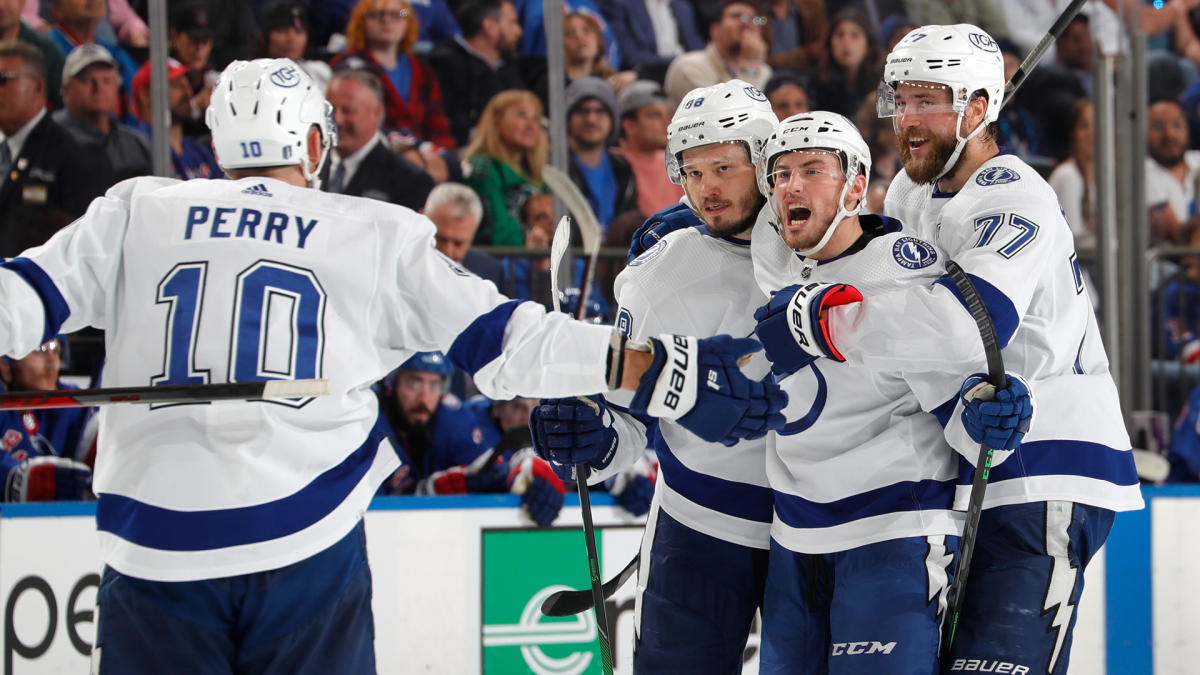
[(984, 42), (285, 77)]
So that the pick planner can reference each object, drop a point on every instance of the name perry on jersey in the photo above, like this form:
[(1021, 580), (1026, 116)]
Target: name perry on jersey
[(222, 223)]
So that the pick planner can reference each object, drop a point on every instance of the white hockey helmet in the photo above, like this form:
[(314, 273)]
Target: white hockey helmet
[(731, 111), (962, 57), (260, 114), (818, 130)]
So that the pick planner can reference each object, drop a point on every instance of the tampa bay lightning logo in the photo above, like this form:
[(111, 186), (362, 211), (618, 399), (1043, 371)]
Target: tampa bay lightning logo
[(984, 42), (286, 76), (650, 253), (754, 93), (997, 175), (913, 253)]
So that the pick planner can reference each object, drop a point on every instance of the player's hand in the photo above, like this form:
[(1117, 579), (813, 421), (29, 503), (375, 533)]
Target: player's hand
[(698, 383), (47, 479), (571, 431), (997, 419), (475, 478), (659, 225), (792, 324), (541, 491), (634, 488)]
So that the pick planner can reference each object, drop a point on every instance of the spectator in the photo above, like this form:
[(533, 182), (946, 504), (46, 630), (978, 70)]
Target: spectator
[(13, 28), (1074, 180), (644, 119), (650, 33), (46, 178), (505, 162), (1176, 331), (436, 23), (75, 23), (1171, 172), (382, 33), (455, 210), (797, 33), (788, 93), (986, 14), (1018, 129), (896, 26), (91, 91), (605, 178), (1053, 88), (583, 56), (850, 66), (283, 34), (476, 66), (189, 159), (362, 163), (53, 431), (191, 41), (528, 277), (533, 37), (736, 49)]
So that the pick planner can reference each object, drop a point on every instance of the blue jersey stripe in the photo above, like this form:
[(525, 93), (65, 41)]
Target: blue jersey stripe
[(741, 500), (1060, 458), (945, 410), (483, 340), (898, 497), (999, 307), (56, 307), (169, 530)]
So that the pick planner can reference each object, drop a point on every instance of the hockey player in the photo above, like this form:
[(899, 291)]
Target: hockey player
[(232, 532), (1050, 504), (704, 553)]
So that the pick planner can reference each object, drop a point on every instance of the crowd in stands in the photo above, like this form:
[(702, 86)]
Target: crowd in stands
[(441, 106)]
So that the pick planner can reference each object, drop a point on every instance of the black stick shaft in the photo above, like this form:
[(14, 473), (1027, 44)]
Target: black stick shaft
[(177, 393)]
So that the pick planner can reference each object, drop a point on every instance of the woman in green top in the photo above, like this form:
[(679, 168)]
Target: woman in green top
[(504, 163)]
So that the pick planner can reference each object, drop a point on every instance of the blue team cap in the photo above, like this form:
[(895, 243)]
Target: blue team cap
[(430, 362)]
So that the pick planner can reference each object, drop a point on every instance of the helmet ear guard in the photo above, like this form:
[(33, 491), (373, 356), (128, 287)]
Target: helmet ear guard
[(260, 115)]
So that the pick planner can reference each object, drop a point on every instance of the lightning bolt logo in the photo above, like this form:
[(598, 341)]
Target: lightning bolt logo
[(1063, 575), (937, 574)]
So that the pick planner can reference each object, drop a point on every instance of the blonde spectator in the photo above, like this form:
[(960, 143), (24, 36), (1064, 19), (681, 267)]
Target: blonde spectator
[(504, 164)]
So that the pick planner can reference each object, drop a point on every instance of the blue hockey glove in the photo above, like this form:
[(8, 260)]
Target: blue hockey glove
[(698, 384), (791, 328), (541, 491), (997, 419), (634, 488), (48, 479), (570, 431), (659, 225)]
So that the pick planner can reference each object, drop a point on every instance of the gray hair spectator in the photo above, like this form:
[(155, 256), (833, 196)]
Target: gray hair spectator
[(46, 178), (362, 163), (456, 211), (91, 91)]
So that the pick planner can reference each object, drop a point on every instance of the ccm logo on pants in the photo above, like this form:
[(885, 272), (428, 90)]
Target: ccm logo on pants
[(985, 666), (855, 648)]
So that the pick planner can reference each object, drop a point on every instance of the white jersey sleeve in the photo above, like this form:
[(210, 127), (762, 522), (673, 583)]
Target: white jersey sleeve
[(221, 281)]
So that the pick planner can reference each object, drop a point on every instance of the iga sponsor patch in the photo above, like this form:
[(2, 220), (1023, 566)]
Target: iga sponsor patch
[(912, 253), (997, 175)]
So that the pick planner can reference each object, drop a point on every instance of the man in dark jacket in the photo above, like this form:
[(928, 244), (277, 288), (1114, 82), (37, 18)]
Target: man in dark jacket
[(604, 177), (475, 67), (46, 178)]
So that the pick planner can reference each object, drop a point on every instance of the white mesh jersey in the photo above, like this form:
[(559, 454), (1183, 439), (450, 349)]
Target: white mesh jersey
[(863, 457), (701, 284), (1006, 229), (216, 281)]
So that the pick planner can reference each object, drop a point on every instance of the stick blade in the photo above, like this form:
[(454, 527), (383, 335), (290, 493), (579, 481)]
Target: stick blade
[(296, 388), (567, 603), (558, 251)]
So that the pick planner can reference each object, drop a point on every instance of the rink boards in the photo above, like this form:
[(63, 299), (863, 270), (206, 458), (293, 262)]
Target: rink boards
[(458, 580)]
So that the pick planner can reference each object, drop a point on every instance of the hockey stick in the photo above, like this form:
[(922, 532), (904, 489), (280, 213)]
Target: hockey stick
[(1035, 55), (568, 603), (558, 250), (983, 465), (589, 227), (174, 393)]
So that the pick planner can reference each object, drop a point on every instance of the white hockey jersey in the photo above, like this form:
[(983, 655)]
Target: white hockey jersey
[(700, 284), (1006, 230), (254, 279), (861, 458)]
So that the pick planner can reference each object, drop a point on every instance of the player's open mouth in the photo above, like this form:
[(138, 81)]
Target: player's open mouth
[(915, 144), (712, 207), (798, 215)]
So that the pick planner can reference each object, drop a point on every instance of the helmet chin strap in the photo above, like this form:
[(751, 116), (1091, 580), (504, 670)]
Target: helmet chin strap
[(842, 214), (959, 146)]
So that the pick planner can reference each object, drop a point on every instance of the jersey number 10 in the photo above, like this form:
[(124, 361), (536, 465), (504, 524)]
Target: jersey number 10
[(276, 330)]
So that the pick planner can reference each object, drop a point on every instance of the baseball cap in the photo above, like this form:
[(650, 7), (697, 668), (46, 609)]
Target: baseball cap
[(192, 18), (83, 56), (141, 79), (638, 95)]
